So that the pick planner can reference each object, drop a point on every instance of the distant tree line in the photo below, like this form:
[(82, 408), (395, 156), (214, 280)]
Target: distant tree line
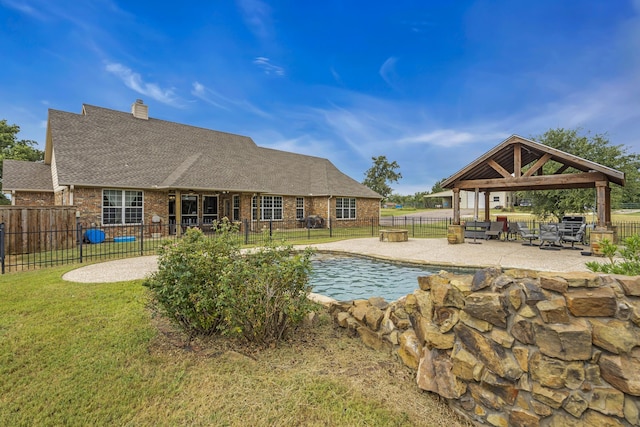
[(17, 149)]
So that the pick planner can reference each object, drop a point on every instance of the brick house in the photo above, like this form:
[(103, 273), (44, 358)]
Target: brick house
[(125, 168)]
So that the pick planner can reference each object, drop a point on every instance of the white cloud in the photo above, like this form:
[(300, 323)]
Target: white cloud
[(268, 67), (207, 95), (214, 98), (133, 81), (23, 7), (336, 76), (388, 71), (452, 138), (257, 16)]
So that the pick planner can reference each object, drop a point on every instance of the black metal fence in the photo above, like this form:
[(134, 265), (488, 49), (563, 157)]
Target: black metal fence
[(119, 241), (109, 242)]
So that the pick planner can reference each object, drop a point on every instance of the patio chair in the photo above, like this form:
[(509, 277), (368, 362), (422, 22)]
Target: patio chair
[(525, 233), (550, 234), (512, 231), (494, 230), (578, 237)]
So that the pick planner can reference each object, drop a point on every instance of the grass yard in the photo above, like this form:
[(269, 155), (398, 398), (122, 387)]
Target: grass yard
[(403, 211), (91, 354)]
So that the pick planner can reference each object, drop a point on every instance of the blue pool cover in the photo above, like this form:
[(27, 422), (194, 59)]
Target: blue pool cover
[(124, 239), (93, 235)]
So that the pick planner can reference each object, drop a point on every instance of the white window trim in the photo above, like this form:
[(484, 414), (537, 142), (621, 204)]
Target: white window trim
[(262, 208), (355, 202), (303, 208), (123, 207), (234, 208)]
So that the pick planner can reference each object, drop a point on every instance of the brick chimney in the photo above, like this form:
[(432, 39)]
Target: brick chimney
[(139, 110)]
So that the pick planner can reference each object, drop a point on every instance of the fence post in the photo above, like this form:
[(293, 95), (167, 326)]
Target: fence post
[(270, 229), (330, 228), (413, 227), (2, 245), (372, 227), (80, 240), (142, 238), (246, 231)]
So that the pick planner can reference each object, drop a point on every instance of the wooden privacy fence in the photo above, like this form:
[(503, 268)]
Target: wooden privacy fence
[(36, 229)]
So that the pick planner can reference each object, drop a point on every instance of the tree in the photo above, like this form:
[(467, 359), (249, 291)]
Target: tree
[(437, 187), (595, 148), (381, 174), (13, 148)]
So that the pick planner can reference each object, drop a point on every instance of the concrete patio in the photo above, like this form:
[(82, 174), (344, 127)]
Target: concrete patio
[(438, 252), (485, 253)]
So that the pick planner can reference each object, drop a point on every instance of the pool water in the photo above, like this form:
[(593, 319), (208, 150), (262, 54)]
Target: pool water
[(351, 277)]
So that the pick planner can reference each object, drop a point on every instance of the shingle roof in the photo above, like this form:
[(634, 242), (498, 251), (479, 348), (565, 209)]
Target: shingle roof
[(26, 176), (103, 147)]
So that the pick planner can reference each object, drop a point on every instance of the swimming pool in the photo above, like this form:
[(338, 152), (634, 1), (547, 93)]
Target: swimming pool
[(347, 277)]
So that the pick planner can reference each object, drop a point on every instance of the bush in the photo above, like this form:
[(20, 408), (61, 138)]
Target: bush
[(630, 253), (273, 296), (205, 285)]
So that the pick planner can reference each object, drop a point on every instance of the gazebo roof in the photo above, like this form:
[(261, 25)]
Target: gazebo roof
[(500, 169)]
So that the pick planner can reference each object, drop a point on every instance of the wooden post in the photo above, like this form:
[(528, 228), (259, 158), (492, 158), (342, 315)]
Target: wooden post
[(486, 206), (602, 203), (607, 203), (476, 202), (178, 213)]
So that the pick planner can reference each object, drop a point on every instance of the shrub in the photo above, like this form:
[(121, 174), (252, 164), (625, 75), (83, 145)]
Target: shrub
[(630, 253), (273, 298), (205, 285), (192, 273)]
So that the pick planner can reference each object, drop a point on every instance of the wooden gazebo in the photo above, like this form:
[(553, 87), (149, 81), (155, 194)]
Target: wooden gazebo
[(501, 169)]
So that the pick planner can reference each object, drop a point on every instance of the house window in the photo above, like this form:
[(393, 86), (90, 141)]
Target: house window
[(271, 208), (299, 207), (345, 208), (236, 208), (189, 209), (496, 198), (209, 209), (122, 207)]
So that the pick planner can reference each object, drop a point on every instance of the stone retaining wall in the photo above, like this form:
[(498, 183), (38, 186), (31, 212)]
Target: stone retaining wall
[(516, 347)]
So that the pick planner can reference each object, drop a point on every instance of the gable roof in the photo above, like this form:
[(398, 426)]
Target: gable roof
[(501, 169), (26, 176), (108, 148)]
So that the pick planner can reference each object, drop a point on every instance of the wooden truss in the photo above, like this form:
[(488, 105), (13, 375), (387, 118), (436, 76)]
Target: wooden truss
[(516, 165)]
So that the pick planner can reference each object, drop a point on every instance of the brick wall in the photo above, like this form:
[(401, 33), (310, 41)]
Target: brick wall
[(33, 198), (89, 203)]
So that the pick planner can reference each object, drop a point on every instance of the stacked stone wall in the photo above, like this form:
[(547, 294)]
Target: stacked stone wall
[(516, 347)]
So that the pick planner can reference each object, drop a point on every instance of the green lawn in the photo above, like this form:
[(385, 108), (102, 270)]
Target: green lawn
[(403, 211), (91, 354)]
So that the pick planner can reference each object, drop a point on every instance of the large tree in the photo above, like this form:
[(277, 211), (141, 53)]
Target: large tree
[(596, 148), (437, 187), (381, 174), (13, 148)]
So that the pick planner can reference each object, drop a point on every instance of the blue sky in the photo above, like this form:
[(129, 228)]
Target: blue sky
[(429, 84)]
